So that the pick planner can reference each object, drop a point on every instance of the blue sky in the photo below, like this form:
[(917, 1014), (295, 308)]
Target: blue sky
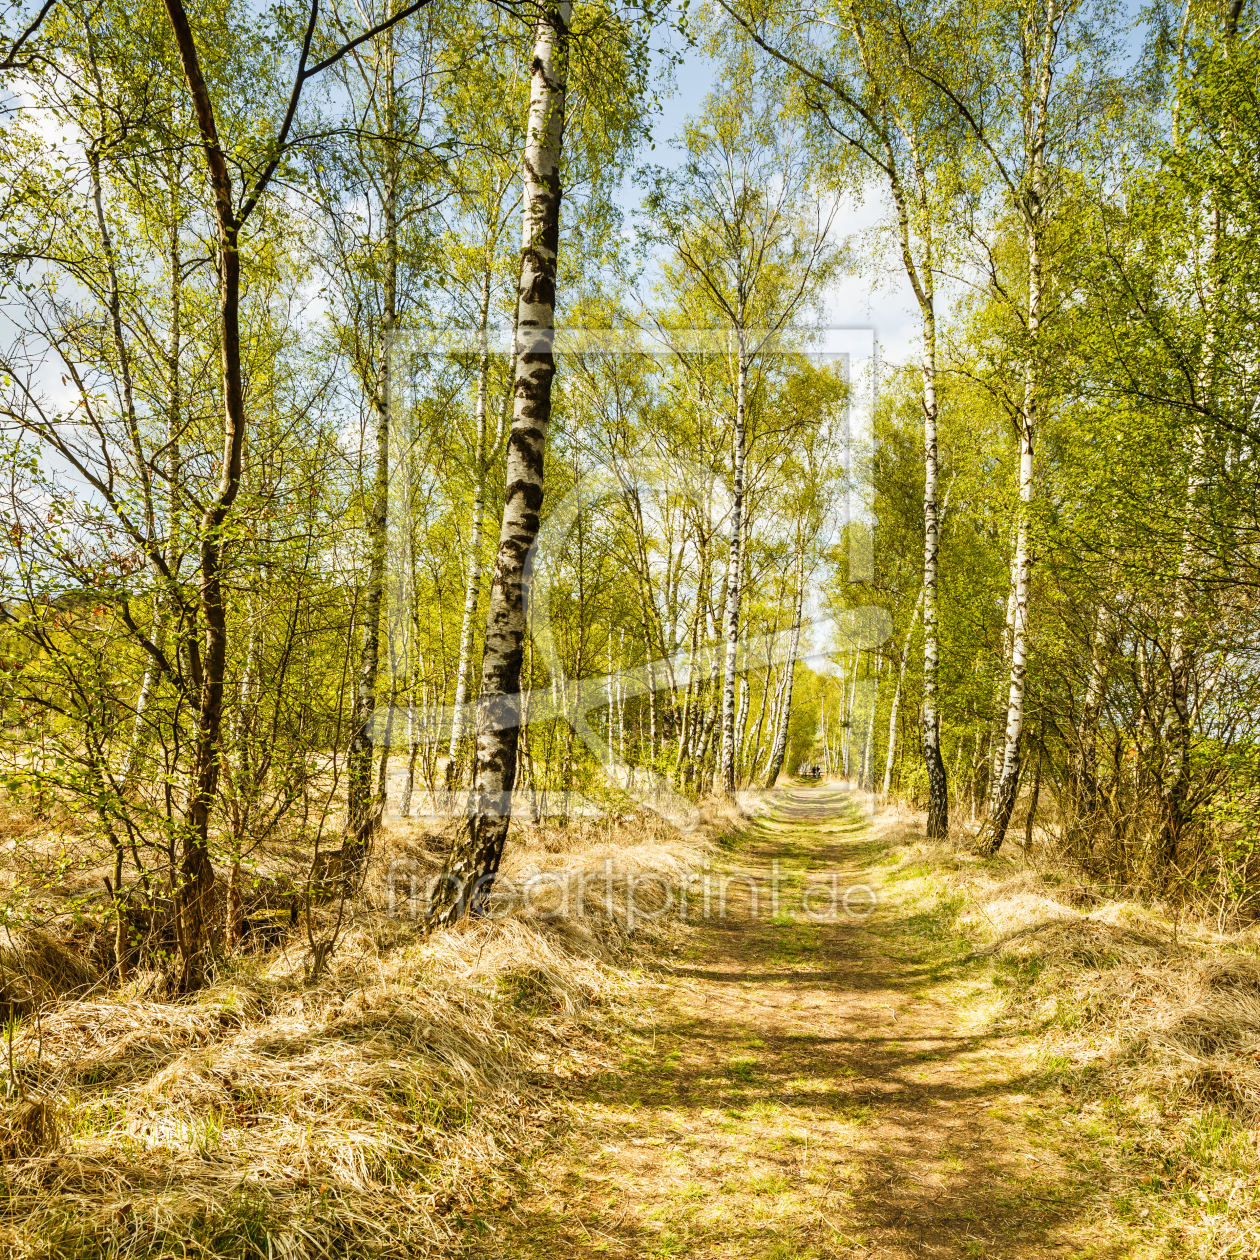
[(875, 295)]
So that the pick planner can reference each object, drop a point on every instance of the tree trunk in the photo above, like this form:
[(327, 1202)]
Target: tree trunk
[(922, 276), (938, 788), (742, 709), (779, 751), (867, 778), (846, 714), (896, 700), (472, 584), (207, 660), (363, 797), (473, 864), (734, 574), (1008, 776), (413, 746), (1032, 802), (1032, 208), (1091, 707)]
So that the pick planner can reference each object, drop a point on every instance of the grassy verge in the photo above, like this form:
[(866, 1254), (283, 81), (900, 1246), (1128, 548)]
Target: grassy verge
[(1142, 1036), (369, 1113)]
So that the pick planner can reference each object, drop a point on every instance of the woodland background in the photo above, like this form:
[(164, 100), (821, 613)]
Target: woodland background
[(216, 222)]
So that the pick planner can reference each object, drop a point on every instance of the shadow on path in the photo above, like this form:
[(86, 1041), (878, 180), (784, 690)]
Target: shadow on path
[(802, 1089)]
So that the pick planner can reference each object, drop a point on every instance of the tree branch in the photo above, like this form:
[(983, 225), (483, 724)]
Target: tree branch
[(10, 58)]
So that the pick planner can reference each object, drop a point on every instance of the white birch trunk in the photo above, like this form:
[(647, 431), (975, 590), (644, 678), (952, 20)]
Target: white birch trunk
[(1032, 207), (896, 700), (784, 712), (735, 575), (869, 742), (474, 862), (472, 581)]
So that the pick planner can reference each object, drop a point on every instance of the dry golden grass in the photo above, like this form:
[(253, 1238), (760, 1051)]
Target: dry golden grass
[(1179, 998), (1149, 1026), (270, 1116), (36, 967)]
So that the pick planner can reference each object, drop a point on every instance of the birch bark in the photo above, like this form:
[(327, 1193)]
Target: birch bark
[(734, 589), (471, 868), (1036, 121), (885, 124), (868, 744), (938, 788), (779, 751)]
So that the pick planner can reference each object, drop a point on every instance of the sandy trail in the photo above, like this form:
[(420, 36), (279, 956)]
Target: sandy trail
[(801, 1089)]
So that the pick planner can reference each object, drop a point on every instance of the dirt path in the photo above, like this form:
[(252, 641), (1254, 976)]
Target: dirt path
[(799, 1089)]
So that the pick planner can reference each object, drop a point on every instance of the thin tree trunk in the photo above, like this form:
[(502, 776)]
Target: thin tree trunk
[(1091, 707), (233, 927), (779, 750), (609, 691), (114, 306), (1175, 789), (753, 742), (621, 700), (735, 575), (896, 700), (691, 696), (382, 765), (1008, 773), (869, 743), (750, 765), (1033, 203), (135, 751), (846, 716), (938, 788), (472, 583), (474, 862), (741, 722), (207, 660), (363, 795), (121, 943), (651, 696), (1032, 803), (922, 276), (413, 748)]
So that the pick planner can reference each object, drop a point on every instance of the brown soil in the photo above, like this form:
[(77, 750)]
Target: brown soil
[(799, 1089)]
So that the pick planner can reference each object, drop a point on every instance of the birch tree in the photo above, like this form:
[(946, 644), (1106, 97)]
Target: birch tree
[(856, 89), (377, 190), (473, 864), (749, 248), (231, 216), (1024, 81), (487, 199)]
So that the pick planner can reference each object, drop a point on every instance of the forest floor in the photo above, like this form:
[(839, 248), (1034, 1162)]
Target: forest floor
[(999, 1059), (790, 1088)]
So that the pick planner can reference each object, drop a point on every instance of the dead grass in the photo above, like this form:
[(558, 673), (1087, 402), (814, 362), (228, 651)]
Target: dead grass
[(365, 1114), (36, 967), (1148, 1025)]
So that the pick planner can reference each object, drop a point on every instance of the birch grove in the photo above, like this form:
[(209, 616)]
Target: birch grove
[(274, 366)]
